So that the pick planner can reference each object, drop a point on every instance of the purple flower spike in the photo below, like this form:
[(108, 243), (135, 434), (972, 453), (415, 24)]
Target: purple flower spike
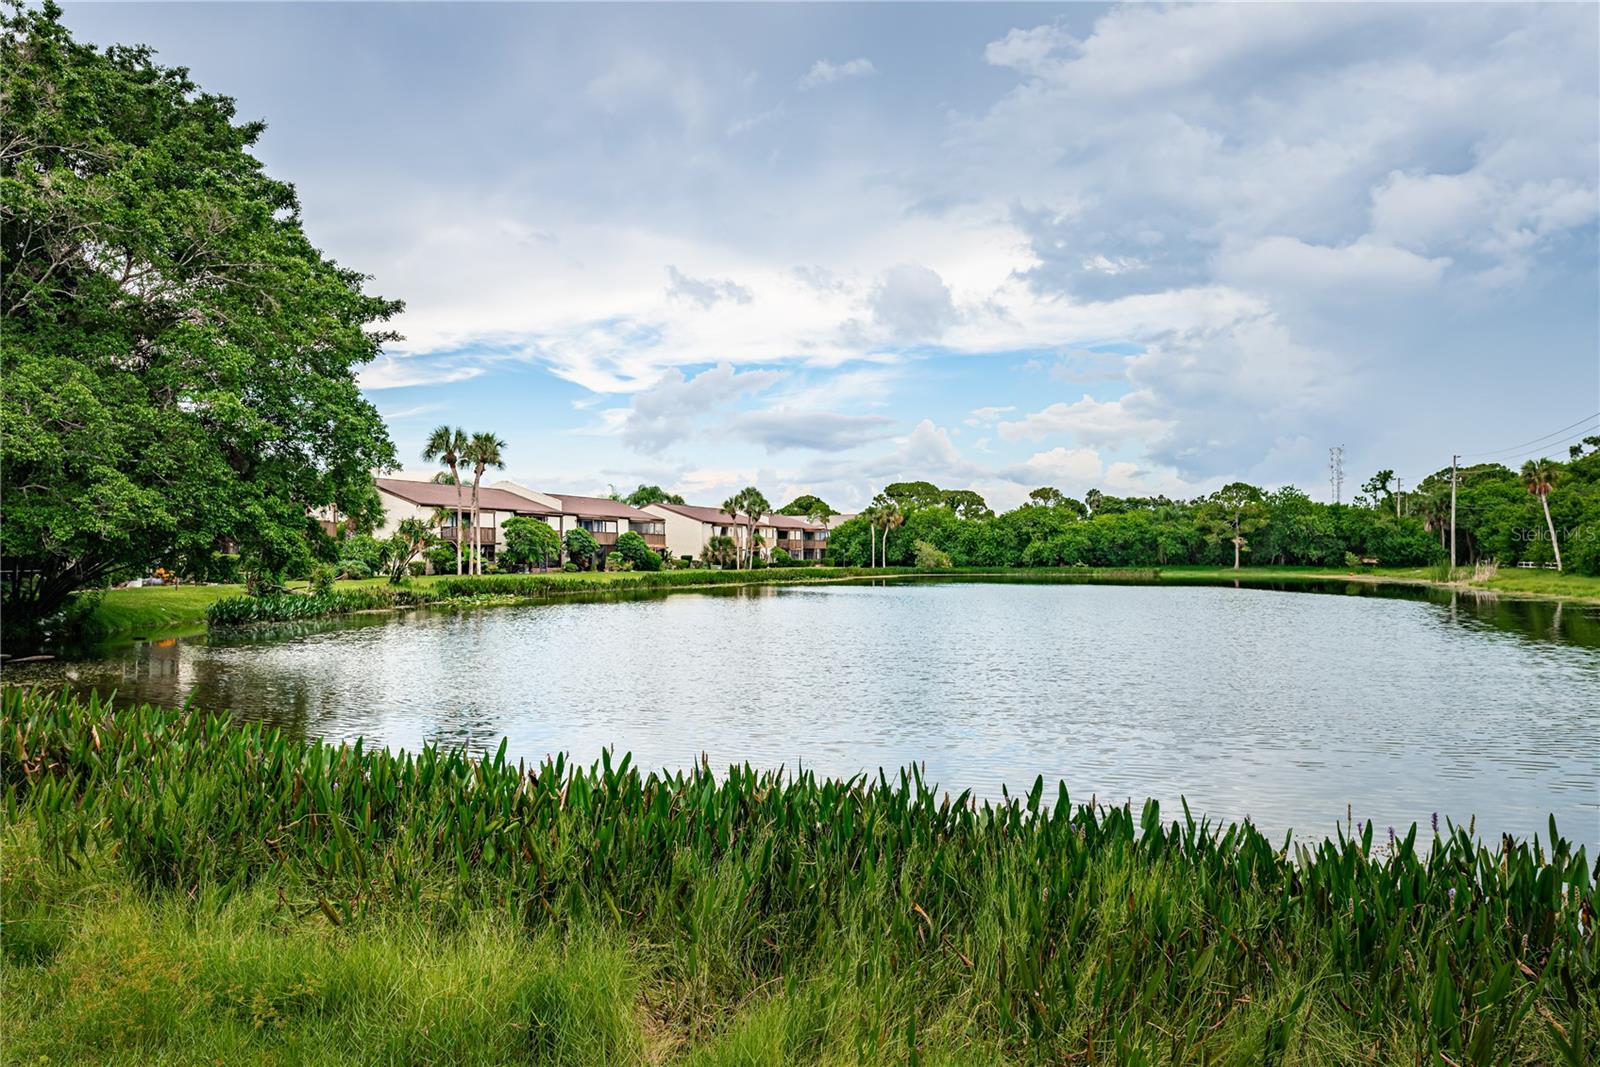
[(1435, 822), (1391, 837)]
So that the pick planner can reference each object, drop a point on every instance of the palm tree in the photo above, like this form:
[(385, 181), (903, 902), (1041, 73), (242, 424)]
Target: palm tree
[(446, 445), (884, 512), (754, 505), (731, 507), (483, 451), (410, 537), (892, 518), (870, 513), (1539, 475)]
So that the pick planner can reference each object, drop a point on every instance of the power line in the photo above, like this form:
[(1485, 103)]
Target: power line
[(1544, 449), (1536, 440)]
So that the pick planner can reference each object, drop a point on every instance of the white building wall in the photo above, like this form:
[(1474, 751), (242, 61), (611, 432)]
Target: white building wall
[(685, 536)]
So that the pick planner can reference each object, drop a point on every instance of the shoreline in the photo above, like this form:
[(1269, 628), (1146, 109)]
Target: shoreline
[(172, 612)]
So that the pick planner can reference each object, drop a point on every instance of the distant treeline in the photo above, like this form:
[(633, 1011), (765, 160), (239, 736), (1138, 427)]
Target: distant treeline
[(1499, 516)]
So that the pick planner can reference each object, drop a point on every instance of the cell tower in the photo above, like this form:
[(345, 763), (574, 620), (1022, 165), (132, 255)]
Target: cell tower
[(1336, 472)]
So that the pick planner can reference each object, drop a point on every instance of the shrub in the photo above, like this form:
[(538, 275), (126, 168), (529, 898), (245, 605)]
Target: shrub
[(355, 569), (363, 548), (632, 547), (781, 558), (570, 568), (1352, 560), (321, 579), (417, 568), (442, 558), (581, 547), (929, 558)]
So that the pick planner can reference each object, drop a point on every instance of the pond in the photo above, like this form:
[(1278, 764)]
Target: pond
[(1283, 705)]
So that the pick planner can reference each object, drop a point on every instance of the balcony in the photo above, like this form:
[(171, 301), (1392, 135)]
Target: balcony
[(448, 533)]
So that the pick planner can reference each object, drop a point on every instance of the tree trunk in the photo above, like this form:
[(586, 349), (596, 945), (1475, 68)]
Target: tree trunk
[(475, 524), (872, 546), (1235, 551), (456, 475), (1544, 498)]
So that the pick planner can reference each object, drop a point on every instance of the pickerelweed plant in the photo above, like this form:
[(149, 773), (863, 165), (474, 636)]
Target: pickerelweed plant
[(1025, 929)]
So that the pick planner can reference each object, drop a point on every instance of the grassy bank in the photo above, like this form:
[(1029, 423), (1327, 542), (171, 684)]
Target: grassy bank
[(507, 588), (179, 890), (165, 611)]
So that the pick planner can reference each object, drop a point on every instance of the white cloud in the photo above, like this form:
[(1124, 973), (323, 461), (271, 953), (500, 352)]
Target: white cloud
[(1364, 266), (825, 72), (1073, 467), (392, 372), (704, 291), (669, 411), (744, 125), (912, 303), (781, 429), (1110, 422), (1031, 52), (988, 416)]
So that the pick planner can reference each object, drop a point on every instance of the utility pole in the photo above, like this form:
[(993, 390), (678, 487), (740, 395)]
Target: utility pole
[(1454, 461), (1336, 471)]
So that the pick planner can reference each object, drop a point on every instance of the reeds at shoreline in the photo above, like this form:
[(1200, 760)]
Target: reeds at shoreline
[(867, 920)]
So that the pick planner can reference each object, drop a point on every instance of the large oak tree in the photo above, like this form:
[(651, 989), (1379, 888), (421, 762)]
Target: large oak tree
[(179, 360)]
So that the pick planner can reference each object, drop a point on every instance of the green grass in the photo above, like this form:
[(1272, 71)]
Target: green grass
[(154, 611), (166, 611), (178, 890)]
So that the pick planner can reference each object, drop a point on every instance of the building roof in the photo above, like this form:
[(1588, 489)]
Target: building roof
[(718, 517), (439, 495), (793, 522), (600, 507)]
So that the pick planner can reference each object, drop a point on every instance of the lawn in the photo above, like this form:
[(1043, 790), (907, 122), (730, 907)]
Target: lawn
[(154, 611)]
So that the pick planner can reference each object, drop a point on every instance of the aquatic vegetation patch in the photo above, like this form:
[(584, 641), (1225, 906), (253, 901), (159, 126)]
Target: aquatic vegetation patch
[(743, 916)]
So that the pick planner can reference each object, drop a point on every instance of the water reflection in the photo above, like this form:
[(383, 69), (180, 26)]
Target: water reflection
[(1270, 702)]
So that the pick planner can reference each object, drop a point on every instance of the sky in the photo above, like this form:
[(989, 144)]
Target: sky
[(822, 248)]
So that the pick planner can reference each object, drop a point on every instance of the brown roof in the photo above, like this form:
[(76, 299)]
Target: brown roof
[(716, 516), (719, 517), (438, 495), (793, 522), (600, 507)]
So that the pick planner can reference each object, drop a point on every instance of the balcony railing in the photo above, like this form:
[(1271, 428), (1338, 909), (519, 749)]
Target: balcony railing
[(448, 533)]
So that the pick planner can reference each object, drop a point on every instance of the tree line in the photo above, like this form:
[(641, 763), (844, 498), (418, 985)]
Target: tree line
[(1500, 515)]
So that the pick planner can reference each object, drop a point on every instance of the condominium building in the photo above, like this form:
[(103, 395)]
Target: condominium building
[(605, 519), (690, 527), (435, 504)]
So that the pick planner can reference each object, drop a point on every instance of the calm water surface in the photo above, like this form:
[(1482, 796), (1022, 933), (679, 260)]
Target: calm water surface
[(1283, 706)]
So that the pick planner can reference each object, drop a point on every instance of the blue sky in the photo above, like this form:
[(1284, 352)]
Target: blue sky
[(820, 248)]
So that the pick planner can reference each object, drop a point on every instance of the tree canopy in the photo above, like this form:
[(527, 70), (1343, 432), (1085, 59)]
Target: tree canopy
[(808, 507), (529, 541), (1053, 530), (651, 494), (180, 360)]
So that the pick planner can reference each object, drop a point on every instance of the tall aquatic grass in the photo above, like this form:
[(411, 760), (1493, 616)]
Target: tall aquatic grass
[(867, 920)]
